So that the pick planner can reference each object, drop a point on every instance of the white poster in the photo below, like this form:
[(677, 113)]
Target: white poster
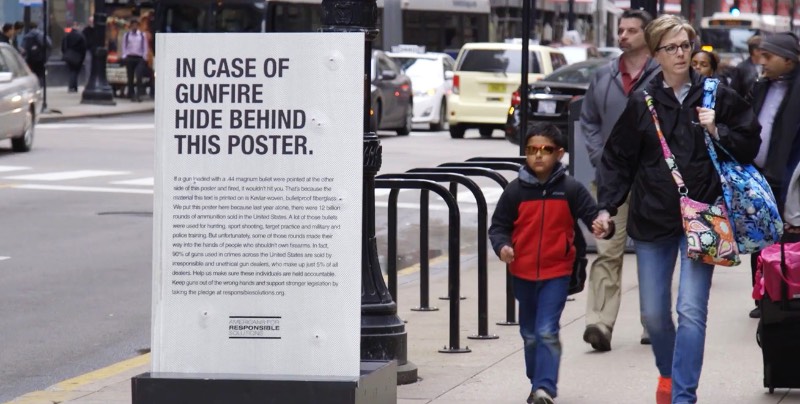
[(257, 217)]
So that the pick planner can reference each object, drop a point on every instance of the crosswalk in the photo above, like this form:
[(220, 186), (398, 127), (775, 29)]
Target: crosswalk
[(115, 181), (105, 181)]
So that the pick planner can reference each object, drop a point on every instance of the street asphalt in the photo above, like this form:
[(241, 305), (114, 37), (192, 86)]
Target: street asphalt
[(493, 370)]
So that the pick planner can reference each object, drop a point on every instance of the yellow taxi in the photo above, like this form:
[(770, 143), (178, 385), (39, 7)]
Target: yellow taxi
[(486, 75)]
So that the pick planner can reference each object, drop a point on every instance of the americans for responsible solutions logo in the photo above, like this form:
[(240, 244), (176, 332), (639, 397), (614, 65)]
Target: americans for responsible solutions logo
[(254, 327)]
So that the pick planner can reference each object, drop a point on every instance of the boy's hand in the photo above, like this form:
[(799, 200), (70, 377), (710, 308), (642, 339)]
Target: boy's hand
[(507, 254)]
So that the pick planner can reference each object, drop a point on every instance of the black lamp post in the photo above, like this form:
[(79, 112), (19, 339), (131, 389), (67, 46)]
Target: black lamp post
[(383, 334), (97, 90)]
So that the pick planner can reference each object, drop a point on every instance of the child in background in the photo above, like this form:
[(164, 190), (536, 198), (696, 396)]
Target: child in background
[(533, 228)]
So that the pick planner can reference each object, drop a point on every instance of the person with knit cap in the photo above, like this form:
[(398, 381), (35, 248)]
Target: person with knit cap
[(776, 100)]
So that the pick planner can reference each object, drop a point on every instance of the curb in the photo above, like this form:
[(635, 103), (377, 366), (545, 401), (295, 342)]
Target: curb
[(50, 118)]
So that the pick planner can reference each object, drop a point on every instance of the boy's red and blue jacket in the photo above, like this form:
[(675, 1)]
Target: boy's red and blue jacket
[(539, 220)]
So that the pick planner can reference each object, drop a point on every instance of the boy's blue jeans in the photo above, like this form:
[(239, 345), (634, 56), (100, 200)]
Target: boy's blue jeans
[(540, 307), (679, 354)]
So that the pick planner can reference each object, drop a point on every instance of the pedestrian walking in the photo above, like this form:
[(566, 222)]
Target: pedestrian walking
[(7, 33), (533, 244), (706, 63), (608, 92), (633, 162), (745, 74), (19, 30), (776, 101), (73, 52), (134, 52), (37, 48)]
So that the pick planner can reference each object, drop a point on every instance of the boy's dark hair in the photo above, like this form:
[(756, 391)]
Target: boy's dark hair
[(19, 25), (712, 58), (547, 130), (642, 15), (7, 27)]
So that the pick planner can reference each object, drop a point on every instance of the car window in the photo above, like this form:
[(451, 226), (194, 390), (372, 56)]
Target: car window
[(233, 18), (185, 18), (385, 65), (574, 74), (4, 65), (14, 63), (558, 60), (497, 61)]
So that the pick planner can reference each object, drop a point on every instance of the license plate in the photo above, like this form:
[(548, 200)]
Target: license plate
[(546, 107), (497, 88)]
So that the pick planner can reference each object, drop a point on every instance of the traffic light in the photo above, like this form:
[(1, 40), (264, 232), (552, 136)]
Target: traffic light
[(735, 8)]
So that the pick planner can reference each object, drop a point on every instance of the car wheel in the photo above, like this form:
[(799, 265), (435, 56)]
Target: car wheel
[(457, 131), (406, 129), (439, 125), (376, 118), (486, 132), (24, 143)]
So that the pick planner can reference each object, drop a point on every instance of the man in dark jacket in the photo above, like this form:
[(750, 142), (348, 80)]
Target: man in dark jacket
[(8, 33), (776, 101), (746, 73), (37, 49), (73, 51), (605, 99)]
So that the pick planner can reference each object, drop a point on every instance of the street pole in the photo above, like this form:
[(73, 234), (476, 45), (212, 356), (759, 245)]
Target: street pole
[(523, 88), (383, 333), (571, 15), (45, 19), (97, 90)]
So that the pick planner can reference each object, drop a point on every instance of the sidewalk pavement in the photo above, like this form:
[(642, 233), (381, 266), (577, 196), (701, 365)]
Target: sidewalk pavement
[(62, 105), (494, 371)]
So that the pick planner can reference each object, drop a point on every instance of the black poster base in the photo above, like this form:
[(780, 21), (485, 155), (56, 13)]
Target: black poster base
[(377, 385)]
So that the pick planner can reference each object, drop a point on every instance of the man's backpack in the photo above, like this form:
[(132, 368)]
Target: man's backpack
[(35, 49)]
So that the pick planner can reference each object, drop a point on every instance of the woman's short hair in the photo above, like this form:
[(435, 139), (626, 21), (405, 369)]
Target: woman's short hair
[(663, 25)]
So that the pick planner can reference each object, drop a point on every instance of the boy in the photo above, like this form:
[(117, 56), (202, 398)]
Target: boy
[(533, 228)]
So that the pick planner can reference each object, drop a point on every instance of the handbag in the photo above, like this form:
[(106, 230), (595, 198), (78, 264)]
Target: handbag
[(709, 236), (778, 272), (752, 207)]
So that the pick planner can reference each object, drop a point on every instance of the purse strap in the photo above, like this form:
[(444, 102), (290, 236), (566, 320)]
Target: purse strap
[(668, 156), (710, 101)]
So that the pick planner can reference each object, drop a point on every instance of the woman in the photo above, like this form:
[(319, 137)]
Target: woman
[(705, 63), (633, 162)]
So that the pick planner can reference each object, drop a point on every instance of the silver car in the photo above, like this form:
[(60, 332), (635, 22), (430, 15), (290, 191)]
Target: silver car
[(20, 99)]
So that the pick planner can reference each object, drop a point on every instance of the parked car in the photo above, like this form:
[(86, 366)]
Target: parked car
[(609, 51), (549, 98), (20, 99), (431, 75), (578, 53), (485, 76), (392, 105)]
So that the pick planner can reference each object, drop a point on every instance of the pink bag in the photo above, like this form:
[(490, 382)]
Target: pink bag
[(770, 275)]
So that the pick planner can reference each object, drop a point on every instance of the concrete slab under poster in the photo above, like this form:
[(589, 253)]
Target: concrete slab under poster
[(257, 217)]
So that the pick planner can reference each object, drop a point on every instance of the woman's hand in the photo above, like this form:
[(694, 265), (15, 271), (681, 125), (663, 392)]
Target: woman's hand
[(602, 224), (706, 117), (507, 254)]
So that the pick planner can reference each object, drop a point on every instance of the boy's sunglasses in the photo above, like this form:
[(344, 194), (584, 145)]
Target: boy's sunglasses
[(546, 150)]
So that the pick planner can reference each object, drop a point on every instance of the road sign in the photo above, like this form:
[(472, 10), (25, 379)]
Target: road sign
[(31, 2)]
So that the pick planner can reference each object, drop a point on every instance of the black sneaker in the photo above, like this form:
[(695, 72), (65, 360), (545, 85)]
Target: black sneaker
[(755, 313), (595, 337), (645, 341), (531, 397)]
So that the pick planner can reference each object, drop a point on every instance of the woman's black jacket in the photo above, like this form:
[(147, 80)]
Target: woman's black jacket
[(633, 161)]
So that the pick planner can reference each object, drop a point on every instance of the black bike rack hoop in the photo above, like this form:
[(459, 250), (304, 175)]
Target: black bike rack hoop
[(454, 242)]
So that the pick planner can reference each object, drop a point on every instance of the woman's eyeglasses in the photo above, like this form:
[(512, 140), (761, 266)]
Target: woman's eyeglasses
[(546, 150), (672, 49)]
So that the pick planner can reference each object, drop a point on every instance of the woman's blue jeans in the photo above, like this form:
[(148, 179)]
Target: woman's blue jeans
[(679, 354), (540, 306)]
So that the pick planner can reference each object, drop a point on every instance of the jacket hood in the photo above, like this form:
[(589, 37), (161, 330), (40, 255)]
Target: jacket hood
[(528, 177), (649, 67)]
